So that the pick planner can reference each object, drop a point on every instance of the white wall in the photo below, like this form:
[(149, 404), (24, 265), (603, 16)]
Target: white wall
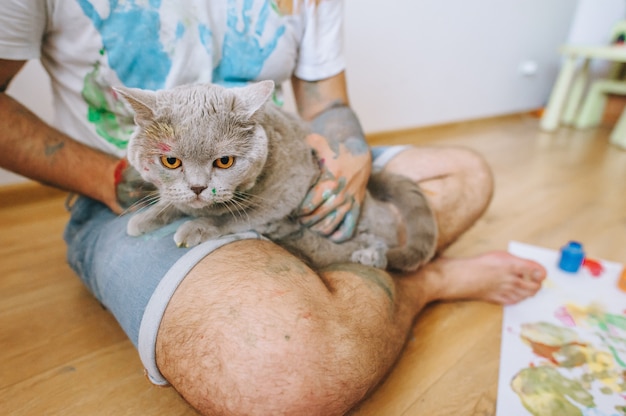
[(431, 62), (437, 61), (423, 62), (593, 21)]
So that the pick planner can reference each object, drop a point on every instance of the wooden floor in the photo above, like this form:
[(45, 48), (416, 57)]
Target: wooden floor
[(62, 354)]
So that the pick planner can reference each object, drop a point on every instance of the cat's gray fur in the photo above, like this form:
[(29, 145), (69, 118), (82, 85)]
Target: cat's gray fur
[(273, 170)]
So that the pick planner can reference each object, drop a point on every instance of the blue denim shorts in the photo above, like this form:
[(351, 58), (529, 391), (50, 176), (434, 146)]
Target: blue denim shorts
[(135, 277)]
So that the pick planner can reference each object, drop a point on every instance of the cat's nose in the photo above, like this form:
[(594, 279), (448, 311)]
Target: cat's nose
[(198, 189)]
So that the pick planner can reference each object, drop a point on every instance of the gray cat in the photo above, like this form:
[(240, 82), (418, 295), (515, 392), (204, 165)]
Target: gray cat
[(235, 162)]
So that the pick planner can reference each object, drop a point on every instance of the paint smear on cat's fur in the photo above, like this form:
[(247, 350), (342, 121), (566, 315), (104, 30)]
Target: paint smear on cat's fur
[(164, 147)]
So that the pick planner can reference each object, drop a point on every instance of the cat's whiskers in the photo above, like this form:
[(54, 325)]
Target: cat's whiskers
[(242, 205), (238, 207), (252, 197), (252, 200), (164, 207), (147, 200)]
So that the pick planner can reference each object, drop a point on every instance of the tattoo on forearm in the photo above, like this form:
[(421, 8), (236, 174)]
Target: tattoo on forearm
[(339, 124), (312, 90), (52, 148)]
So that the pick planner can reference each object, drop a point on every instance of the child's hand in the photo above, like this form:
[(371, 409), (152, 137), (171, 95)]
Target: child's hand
[(332, 206)]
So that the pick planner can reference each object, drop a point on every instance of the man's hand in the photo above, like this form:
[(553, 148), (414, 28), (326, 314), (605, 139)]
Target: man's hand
[(131, 190), (332, 206)]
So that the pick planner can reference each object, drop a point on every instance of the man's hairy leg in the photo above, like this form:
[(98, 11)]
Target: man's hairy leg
[(457, 182), (268, 336), (459, 186)]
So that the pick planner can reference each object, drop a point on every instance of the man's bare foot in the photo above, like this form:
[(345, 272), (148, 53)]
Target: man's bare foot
[(497, 277)]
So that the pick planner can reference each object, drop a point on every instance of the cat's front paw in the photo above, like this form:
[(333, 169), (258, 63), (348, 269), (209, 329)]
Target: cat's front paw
[(194, 232), (375, 256)]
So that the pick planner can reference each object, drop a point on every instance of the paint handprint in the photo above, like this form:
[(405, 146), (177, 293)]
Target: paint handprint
[(243, 55), (130, 38)]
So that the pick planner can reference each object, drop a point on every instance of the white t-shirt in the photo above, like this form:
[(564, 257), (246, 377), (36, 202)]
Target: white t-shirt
[(88, 46)]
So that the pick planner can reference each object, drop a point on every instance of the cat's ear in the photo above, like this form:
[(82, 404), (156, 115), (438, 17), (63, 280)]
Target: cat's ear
[(256, 95), (142, 101)]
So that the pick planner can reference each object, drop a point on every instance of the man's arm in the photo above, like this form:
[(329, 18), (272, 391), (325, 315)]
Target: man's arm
[(333, 205), (34, 149)]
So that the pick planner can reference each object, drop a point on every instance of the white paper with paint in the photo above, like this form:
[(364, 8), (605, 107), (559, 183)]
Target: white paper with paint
[(577, 326)]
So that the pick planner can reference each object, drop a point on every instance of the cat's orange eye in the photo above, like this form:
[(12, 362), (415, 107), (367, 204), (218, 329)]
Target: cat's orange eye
[(171, 162), (224, 162)]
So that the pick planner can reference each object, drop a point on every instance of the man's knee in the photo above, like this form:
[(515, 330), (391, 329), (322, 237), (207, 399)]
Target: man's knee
[(476, 171), (431, 163), (457, 169), (263, 342), (240, 373)]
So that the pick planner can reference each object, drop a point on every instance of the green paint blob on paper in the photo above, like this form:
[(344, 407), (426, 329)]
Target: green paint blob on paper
[(545, 392)]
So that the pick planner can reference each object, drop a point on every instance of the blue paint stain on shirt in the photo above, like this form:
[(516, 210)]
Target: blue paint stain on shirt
[(206, 38), (130, 35), (243, 56), (180, 30)]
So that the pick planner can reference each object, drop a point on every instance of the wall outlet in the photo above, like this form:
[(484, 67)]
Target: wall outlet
[(528, 68)]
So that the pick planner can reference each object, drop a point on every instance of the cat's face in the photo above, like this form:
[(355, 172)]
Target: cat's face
[(200, 145)]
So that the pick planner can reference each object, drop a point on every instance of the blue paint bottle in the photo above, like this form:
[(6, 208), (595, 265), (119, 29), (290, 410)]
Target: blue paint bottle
[(572, 257)]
